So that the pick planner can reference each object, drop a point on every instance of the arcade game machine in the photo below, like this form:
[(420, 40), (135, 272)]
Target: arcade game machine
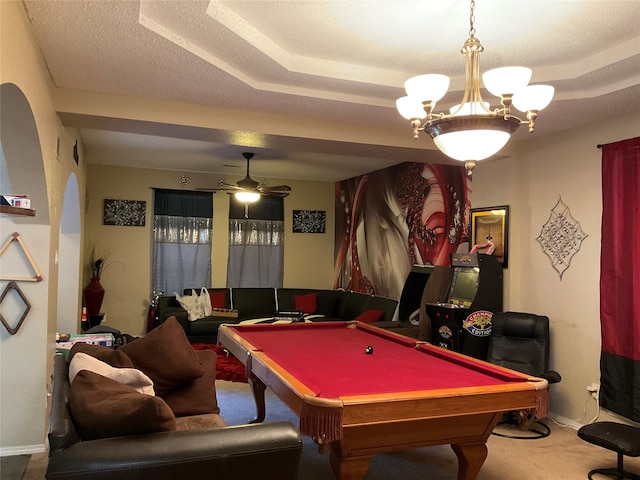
[(463, 322)]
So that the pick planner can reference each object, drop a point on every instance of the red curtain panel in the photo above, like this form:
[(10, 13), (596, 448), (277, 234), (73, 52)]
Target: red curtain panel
[(620, 278)]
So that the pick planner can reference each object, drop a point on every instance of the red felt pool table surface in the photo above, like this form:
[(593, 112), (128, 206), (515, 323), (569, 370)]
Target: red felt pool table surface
[(331, 360), (404, 394)]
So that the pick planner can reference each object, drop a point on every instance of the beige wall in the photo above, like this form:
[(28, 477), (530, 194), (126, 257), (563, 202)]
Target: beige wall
[(566, 165), (26, 357), (308, 259)]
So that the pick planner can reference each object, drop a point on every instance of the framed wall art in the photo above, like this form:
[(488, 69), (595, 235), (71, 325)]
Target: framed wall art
[(124, 213), (491, 226), (309, 221)]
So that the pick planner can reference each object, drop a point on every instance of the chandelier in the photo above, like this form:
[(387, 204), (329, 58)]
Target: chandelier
[(472, 131)]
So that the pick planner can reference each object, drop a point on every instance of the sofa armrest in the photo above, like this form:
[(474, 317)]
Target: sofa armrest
[(169, 307), (269, 451)]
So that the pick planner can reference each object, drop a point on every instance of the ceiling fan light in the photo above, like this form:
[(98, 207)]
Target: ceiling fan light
[(410, 108), (429, 87), (506, 80), (247, 197), (468, 145), (534, 97)]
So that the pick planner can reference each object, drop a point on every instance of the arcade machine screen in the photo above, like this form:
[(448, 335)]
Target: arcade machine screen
[(464, 286)]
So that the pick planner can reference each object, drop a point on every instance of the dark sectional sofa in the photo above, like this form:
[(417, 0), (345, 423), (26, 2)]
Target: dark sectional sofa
[(256, 303)]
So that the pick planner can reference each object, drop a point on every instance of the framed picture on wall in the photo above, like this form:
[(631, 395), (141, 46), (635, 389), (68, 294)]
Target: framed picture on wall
[(309, 221), (491, 226), (124, 213)]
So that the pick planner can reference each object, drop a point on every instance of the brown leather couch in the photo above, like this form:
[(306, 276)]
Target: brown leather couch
[(269, 451)]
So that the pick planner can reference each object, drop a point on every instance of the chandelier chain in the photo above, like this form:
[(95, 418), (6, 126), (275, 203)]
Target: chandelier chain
[(472, 19)]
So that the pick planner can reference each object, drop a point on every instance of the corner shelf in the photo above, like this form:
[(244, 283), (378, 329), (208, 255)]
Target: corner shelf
[(29, 212)]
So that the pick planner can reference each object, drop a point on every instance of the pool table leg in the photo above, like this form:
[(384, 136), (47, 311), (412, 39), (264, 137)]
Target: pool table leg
[(349, 468), (471, 456), (258, 387)]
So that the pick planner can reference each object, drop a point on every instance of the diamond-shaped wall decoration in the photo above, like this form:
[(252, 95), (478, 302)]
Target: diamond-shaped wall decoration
[(561, 237), (14, 286)]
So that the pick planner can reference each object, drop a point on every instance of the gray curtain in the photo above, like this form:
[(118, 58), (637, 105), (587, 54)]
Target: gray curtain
[(256, 253), (182, 233)]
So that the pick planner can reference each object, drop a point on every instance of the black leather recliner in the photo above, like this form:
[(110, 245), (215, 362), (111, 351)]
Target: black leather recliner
[(520, 341)]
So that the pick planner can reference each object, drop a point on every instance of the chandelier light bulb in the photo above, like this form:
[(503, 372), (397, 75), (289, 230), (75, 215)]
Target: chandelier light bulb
[(506, 80), (410, 108), (429, 87), (469, 145), (533, 98)]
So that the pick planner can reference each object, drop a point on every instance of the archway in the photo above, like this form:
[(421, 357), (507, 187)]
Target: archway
[(23, 355), (69, 256)]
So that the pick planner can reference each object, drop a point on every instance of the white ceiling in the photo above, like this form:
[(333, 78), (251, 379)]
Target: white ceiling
[(302, 63)]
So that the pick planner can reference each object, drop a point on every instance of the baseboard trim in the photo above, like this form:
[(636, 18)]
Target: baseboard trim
[(564, 421), (22, 450)]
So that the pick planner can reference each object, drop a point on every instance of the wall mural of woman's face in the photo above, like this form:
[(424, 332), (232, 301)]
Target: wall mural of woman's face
[(394, 218)]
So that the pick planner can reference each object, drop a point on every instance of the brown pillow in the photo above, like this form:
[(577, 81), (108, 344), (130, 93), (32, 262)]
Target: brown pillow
[(166, 356), (199, 395), (102, 408), (115, 358)]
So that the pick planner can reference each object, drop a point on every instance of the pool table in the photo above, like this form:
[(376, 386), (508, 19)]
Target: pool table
[(360, 390)]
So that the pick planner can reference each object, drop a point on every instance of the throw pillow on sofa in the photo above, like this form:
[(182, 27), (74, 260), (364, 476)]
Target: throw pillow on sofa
[(198, 396), (370, 316), (166, 356), (115, 358), (218, 299), (103, 408), (128, 376), (307, 303)]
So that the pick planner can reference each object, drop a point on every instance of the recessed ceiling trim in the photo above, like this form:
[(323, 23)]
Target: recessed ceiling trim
[(319, 67)]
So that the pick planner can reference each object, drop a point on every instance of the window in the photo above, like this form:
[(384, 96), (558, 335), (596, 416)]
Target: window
[(182, 231), (256, 243)]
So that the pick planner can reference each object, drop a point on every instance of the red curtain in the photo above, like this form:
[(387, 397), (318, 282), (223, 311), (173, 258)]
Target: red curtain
[(620, 278)]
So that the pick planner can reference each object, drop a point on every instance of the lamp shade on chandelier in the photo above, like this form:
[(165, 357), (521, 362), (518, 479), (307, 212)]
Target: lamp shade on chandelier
[(471, 130)]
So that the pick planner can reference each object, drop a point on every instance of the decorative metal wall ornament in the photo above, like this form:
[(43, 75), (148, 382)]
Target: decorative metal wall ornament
[(561, 237), (309, 221), (127, 213), (184, 180)]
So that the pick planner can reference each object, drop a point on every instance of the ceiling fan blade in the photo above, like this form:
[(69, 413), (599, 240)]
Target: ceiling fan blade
[(274, 188), (216, 189)]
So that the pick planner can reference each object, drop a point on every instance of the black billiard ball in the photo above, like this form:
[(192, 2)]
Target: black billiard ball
[(368, 350)]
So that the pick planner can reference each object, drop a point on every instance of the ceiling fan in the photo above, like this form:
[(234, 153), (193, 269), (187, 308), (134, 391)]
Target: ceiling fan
[(248, 190)]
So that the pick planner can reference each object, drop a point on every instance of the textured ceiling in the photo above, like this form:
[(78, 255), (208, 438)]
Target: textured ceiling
[(301, 67)]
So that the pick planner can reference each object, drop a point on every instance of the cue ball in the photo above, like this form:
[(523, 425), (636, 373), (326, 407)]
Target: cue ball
[(368, 350)]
